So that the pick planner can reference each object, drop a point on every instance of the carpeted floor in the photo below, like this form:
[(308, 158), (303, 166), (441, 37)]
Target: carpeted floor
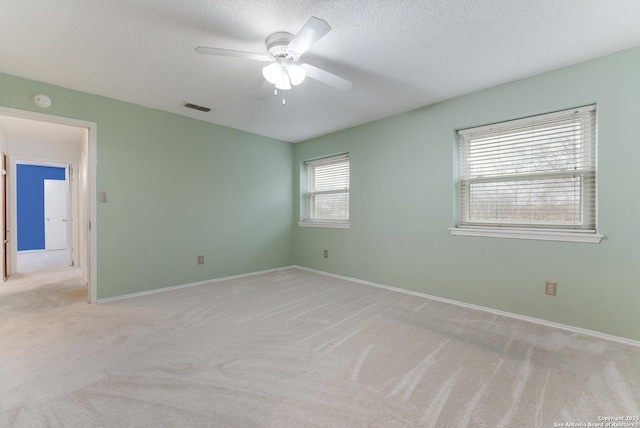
[(294, 349)]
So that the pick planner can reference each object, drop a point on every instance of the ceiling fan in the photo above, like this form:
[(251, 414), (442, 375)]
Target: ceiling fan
[(284, 51)]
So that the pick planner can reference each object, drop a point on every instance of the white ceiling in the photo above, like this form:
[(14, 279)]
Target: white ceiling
[(400, 54)]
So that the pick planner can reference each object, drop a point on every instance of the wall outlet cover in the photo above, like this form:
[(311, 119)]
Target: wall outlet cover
[(551, 288)]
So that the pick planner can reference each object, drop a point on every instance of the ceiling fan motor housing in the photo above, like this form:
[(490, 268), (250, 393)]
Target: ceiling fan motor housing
[(277, 46)]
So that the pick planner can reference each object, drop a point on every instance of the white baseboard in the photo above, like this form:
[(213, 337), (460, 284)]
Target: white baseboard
[(192, 284), (565, 327)]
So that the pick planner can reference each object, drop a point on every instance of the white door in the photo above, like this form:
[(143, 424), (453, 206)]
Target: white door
[(56, 196)]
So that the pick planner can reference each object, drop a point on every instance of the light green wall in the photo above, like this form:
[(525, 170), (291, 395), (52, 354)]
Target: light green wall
[(178, 188), (402, 199)]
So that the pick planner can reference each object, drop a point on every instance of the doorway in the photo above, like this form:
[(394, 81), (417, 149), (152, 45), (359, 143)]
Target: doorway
[(45, 140)]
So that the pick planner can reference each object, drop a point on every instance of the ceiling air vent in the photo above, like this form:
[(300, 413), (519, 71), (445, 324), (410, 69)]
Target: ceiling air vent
[(197, 107)]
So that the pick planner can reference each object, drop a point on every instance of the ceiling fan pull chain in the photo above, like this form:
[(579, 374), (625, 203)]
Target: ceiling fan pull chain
[(283, 101)]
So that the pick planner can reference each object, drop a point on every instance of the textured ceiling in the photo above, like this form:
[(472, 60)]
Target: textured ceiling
[(400, 55)]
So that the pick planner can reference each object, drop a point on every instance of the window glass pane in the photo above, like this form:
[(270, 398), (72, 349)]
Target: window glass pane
[(540, 202), (331, 206)]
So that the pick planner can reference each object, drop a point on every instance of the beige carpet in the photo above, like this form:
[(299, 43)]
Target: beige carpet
[(294, 349)]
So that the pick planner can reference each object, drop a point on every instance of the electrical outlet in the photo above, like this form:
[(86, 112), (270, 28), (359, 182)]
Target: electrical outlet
[(326, 254), (200, 260), (551, 288)]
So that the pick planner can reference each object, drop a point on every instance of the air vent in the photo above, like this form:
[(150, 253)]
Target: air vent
[(197, 107)]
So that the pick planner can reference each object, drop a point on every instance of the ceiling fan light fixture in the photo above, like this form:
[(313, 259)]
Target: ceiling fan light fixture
[(277, 74), (272, 72), (284, 83), (296, 74), (283, 74)]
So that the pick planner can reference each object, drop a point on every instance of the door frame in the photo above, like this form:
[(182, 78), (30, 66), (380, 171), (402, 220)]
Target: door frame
[(5, 224), (85, 169)]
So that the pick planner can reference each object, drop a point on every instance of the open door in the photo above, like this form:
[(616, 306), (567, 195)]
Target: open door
[(56, 213)]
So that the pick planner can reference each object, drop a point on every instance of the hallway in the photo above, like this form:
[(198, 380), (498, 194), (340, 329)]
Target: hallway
[(44, 279)]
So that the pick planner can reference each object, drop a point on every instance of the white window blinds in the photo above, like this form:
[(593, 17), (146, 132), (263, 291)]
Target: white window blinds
[(537, 172), (327, 194)]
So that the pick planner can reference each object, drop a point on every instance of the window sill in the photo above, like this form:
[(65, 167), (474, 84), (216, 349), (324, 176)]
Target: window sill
[(331, 225), (539, 235)]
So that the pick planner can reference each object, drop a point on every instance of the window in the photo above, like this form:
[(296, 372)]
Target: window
[(327, 195), (530, 178)]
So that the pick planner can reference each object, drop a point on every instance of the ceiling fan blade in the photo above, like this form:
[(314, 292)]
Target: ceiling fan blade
[(227, 52), (311, 32), (326, 77)]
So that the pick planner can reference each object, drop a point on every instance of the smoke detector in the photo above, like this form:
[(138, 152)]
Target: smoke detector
[(42, 100)]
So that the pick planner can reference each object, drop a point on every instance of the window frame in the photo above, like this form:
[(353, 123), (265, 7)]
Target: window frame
[(521, 230), (309, 192)]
